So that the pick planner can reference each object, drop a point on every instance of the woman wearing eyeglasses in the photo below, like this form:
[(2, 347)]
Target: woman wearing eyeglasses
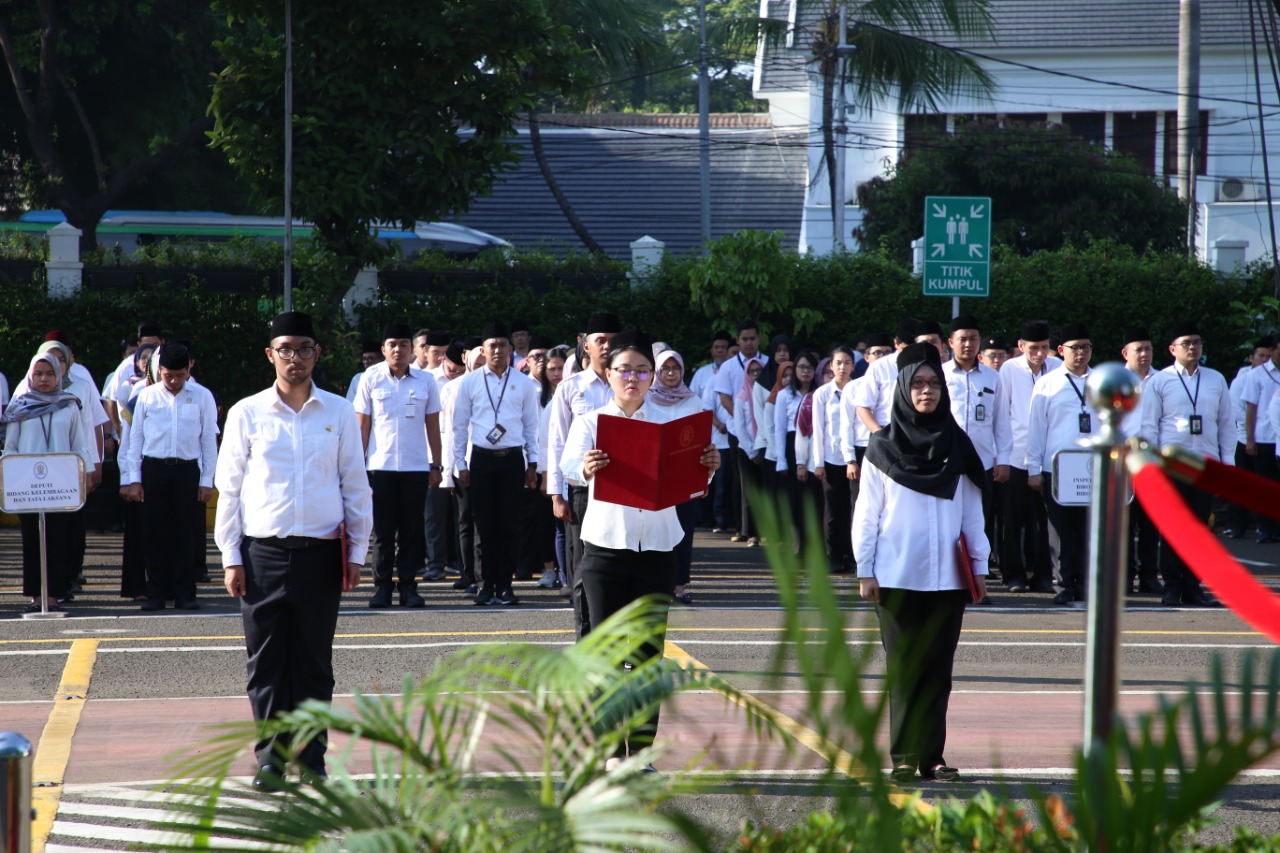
[(922, 485), (792, 435), (615, 571)]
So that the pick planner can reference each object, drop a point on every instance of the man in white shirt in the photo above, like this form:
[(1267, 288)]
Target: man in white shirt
[(994, 353), (495, 453), (728, 381), (168, 468), (429, 347), (119, 389), (1260, 436), (584, 391), (398, 409), (1238, 519), (1024, 547), (873, 396), (1144, 541), (370, 354), (977, 406), (703, 384), (292, 492), (1188, 406), (1060, 420)]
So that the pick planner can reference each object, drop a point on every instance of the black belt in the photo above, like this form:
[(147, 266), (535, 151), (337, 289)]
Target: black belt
[(497, 453), (291, 543), (170, 460)]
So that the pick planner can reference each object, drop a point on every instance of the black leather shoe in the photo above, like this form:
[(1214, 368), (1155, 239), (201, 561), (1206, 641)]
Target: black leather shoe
[(1017, 585), (941, 773), (411, 599), (381, 598), (186, 604), (1042, 586), (1201, 599), (1151, 586), (463, 582), (1171, 598), (152, 604), (1067, 596), (269, 778)]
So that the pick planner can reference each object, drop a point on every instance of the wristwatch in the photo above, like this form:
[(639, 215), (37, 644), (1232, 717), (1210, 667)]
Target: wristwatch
[(437, 467)]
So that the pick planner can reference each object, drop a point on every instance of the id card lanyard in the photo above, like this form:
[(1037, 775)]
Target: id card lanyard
[(1086, 422), (498, 430), (1196, 422)]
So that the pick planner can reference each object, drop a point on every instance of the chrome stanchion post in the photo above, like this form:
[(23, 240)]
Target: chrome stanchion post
[(15, 793), (45, 612), (1113, 392)]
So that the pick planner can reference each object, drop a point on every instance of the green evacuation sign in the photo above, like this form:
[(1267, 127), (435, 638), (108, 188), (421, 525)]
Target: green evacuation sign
[(957, 246)]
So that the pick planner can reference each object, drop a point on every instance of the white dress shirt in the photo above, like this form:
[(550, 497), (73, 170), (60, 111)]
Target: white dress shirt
[(908, 540), (785, 410), (1173, 396), (1260, 387), (172, 426), (764, 421), (576, 395), (828, 424), (1016, 384), (398, 410), (853, 432), (874, 390), (610, 525), (353, 387), (1132, 423), (448, 394), (729, 379), (1237, 400), (486, 400), (286, 473), (1273, 412), (1054, 422), (66, 434), (970, 389), (703, 384)]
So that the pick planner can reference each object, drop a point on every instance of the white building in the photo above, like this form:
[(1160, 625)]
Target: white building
[(1105, 69)]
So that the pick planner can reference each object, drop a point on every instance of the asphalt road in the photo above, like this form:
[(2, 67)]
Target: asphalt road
[(155, 682)]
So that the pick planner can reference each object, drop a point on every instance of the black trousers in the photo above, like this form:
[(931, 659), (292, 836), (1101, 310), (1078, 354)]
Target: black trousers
[(612, 579), (1237, 517), (290, 614), (399, 542), (748, 479), (535, 522), (687, 512), (578, 496), (1144, 544), (442, 531), (919, 632), (1025, 546), (1178, 578), (1266, 465), (1071, 524), (798, 494), (837, 515), (133, 571), (468, 541), (497, 486), (59, 551), (169, 507)]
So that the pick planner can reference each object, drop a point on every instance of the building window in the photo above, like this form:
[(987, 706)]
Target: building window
[(1171, 144), (1090, 127), (1135, 135), (916, 129)]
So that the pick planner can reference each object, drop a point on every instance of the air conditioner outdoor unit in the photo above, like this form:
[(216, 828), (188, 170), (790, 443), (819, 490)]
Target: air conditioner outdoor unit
[(1238, 189)]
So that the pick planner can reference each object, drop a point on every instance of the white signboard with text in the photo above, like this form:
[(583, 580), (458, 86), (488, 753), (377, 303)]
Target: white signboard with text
[(42, 482)]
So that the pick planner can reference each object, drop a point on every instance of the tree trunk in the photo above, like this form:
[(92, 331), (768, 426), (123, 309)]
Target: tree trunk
[(535, 141)]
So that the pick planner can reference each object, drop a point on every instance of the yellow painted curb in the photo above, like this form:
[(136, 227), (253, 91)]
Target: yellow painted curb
[(54, 750)]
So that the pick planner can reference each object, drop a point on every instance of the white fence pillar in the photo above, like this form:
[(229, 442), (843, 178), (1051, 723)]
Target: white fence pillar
[(646, 257), (364, 291), (917, 257), (64, 269)]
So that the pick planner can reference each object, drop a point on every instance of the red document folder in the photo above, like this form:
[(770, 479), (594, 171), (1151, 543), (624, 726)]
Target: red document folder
[(652, 466), (966, 568)]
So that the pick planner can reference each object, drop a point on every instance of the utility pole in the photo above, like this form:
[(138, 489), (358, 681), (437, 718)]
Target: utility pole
[(841, 134), (1189, 110), (288, 155), (704, 127)]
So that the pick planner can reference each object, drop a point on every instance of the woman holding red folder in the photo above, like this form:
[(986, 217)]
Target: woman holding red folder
[(922, 483), (614, 569)]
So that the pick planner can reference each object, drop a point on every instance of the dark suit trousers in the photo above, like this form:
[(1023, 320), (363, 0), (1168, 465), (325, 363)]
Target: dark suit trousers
[(578, 496), (169, 508), (1025, 545), (290, 613), (919, 632), (442, 530), (468, 541), (837, 503), (1178, 577), (611, 580), (1071, 523), (497, 487), (399, 536)]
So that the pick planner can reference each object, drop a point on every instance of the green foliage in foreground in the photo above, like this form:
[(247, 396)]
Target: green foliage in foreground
[(559, 713)]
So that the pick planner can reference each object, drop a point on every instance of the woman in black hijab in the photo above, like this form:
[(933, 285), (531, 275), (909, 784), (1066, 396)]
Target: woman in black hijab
[(921, 490)]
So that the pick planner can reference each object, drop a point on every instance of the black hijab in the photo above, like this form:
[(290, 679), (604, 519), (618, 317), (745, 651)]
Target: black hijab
[(925, 453), (769, 374)]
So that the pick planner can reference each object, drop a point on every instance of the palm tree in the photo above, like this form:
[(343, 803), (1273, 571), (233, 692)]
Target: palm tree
[(893, 55)]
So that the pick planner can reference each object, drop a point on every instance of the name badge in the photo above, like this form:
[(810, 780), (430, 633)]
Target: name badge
[(980, 412), (410, 410), (495, 435), (1197, 424), (1086, 423)]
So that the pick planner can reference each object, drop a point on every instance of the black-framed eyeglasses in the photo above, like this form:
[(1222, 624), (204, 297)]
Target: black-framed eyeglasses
[(921, 384), (289, 353), (1078, 347), (1192, 344)]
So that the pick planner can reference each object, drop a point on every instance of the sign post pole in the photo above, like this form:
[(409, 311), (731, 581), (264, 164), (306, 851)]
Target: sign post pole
[(45, 612)]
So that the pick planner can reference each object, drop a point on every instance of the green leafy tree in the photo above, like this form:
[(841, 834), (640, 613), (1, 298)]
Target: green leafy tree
[(402, 112), (1047, 188), (886, 59), (104, 101)]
